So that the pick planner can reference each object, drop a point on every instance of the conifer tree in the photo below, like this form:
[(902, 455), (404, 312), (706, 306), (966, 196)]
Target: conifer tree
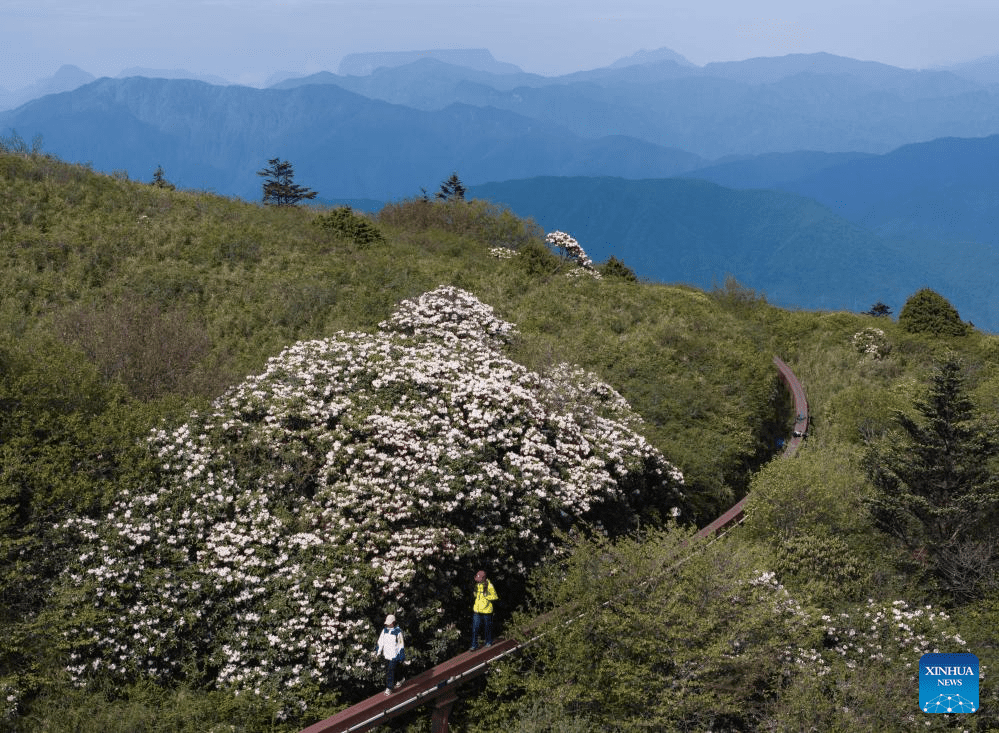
[(926, 311), (160, 181), (879, 310), (452, 189), (279, 185), (936, 487)]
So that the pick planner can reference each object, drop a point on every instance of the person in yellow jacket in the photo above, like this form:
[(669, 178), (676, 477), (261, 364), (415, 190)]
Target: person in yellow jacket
[(482, 609)]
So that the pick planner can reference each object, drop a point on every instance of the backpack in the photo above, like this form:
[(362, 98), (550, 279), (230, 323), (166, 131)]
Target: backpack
[(401, 656)]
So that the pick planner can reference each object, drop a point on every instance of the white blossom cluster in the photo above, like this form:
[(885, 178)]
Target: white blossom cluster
[(566, 243), (9, 698), (356, 475), (793, 619), (502, 253), (872, 342), (890, 633)]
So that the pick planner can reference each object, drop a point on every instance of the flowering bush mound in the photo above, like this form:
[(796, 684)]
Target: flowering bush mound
[(356, 475), (573, 250), (872, 342)]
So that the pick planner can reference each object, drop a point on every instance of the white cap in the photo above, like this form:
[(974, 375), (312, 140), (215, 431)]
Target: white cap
[(389, 620)]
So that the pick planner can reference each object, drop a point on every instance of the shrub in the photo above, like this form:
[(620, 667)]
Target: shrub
[(872, 342), (536, 260), (824, 566), (929, 312), (653, 635), (151, 350), (616, 268), (821, 490), (493, 225), (345, 224), (571, 249)]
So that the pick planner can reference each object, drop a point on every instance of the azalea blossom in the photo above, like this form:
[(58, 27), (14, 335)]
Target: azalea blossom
[(566, 243)]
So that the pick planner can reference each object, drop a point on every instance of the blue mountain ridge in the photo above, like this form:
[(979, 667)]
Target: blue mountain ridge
[(794, 250), (342, 144)]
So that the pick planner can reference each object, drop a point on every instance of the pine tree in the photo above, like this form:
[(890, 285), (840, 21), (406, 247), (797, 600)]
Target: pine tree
[(452, 189), (279, 186), (936, 489), (926, 311), (160, 181), (879, 310)]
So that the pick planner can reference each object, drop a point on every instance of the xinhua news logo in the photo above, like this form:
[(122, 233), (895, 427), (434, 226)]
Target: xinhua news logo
[(948, 683)]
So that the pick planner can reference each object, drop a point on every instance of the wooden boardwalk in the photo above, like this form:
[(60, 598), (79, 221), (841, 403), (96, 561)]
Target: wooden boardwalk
[(438, 684)]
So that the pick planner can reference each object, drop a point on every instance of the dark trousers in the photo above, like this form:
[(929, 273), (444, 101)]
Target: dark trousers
[(483, 621), (390, 673)]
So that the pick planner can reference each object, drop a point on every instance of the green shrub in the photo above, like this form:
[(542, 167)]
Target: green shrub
[(345, 224), (615, 268), (820, 491), (926, 311), (536, 260), (494, 225), (824, 566)]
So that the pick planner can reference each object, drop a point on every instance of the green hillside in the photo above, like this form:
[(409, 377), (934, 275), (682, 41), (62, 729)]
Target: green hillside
[(156, 340)]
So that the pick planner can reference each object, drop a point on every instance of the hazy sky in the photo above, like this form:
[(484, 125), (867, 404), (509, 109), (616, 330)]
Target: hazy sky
[(247, 40)]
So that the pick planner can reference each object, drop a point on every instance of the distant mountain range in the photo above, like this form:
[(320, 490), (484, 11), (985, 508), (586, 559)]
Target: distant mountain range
[(67, 78), (869, 167), (792, 249), (797, 102), (342, 144), (943, 189)]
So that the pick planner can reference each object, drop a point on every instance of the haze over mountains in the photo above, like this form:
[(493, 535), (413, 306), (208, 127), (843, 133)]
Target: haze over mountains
[(870, 167)]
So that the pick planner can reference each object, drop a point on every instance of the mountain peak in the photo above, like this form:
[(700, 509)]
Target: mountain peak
[(362, 64), (648, 57), (172, 74)]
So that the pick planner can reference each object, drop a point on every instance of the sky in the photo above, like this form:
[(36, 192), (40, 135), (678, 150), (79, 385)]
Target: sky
[(246, 41)]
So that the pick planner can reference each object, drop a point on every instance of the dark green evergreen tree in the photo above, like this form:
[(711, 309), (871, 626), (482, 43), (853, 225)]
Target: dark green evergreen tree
[(936, 485), (160, 181), (879, 310), (926, 311), (280, 188), (452, 189)]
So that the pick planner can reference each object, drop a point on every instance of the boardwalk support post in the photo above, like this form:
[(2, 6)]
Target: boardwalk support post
[(442, 709)]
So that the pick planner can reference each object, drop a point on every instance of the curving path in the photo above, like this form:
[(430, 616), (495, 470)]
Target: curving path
[(439, 684)]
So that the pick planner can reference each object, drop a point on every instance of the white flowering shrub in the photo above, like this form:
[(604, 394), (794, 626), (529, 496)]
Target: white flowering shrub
[(886, 634), (890, 634), (872, 342), (502, 253), (865, 674), (9, 699), (356, 475), (573, 250)]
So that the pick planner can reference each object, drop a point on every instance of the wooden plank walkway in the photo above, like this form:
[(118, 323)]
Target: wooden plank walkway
[(438, 683)]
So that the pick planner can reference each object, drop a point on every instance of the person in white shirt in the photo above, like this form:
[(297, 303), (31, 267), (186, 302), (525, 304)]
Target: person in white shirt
[(392, 647)]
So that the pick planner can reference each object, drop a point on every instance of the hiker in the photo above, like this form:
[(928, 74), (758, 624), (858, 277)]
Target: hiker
[(482, 609), (391, 646)]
